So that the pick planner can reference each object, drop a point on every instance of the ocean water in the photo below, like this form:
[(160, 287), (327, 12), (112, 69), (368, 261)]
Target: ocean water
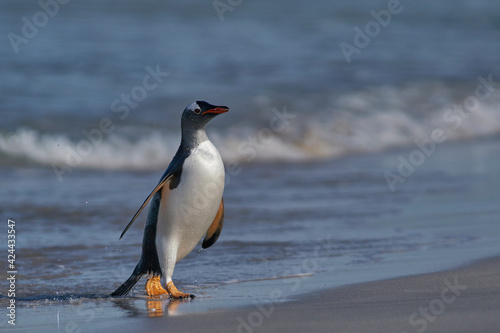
[(336, 172)]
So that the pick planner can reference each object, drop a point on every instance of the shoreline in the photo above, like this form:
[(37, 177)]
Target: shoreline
[(463, 299), (336, 277)]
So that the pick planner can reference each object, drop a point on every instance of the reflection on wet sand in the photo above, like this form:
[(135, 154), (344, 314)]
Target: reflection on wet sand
[(156, 306)]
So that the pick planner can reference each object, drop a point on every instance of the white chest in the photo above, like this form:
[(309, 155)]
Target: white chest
[(187, 211), (202, 174)]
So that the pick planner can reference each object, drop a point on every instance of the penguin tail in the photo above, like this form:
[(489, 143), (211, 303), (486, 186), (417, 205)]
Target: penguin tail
[(125, 288)]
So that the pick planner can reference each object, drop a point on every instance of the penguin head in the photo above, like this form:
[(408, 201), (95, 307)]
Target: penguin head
[(197, 114)]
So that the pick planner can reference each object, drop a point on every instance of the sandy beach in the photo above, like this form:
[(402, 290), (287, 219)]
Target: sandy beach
[(465, 299)]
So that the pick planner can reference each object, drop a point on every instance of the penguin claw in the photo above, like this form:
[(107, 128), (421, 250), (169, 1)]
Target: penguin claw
[(154, 287), (175, 293)]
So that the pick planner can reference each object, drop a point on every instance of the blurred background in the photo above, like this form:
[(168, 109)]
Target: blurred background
[(79, 66), (91, 94)]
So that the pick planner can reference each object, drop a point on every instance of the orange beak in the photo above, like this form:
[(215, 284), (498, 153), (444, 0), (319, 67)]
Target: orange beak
[(217, 110)]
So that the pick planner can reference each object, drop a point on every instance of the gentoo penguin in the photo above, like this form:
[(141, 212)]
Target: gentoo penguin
[(185, 205)]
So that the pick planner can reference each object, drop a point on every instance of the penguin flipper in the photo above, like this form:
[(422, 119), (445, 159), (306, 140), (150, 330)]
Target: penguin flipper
[(171, 170), (215, 228), (144, 204)]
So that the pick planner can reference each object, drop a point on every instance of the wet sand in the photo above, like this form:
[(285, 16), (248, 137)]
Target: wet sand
[(465, 299)]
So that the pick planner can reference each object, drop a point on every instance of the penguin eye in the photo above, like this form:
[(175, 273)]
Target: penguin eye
[(197, 111)]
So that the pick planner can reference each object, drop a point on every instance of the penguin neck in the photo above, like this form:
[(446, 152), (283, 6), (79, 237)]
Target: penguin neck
[(191, 137)]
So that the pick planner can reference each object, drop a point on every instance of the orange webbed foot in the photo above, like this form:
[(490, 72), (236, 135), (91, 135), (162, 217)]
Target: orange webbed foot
[(174, 293), (154, 287)]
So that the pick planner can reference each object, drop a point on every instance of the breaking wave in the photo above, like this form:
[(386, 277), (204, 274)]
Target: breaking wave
[(354, 123)]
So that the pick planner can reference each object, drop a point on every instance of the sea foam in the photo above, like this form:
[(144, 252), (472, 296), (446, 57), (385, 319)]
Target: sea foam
[(370, 121)]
